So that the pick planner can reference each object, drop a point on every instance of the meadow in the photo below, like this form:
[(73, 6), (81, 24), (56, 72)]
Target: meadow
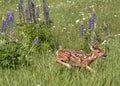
[(66, 17)]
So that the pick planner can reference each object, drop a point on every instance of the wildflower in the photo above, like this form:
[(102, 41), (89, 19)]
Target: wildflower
[(20, 10), (33, 11), (83, 18), (105, 27), (94, 38), (3, 25), (35, 41), (81, 29), (92, 20), (46, 13), (90, 23), (9, 18), (94, 16), (92, 6), (104, 42), (27, 15), (29, 8), (37, 13), (29, 3), (77, 21)]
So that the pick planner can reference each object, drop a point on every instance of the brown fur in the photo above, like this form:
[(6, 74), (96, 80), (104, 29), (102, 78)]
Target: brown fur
[(80, 58)]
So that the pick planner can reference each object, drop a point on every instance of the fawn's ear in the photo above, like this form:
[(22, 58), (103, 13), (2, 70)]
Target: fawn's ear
[(92, 46)]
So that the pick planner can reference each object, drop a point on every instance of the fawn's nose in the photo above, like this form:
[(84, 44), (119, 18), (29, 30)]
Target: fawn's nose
[(104, 55)]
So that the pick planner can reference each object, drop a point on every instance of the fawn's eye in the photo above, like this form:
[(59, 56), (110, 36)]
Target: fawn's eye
[(98, 51)]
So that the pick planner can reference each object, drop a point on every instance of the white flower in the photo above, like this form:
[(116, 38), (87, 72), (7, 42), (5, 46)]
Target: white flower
[(68, 1), (53, 26), (64, 28), (39, 19), (92, 6), (104, 42), (83, 18), (115, 15), (77, 21), (118, 34), (115, 35)]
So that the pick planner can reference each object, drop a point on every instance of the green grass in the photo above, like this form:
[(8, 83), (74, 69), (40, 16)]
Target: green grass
[(44, 71)]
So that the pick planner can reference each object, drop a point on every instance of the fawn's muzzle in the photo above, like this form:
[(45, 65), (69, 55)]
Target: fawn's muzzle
[(104, 55)]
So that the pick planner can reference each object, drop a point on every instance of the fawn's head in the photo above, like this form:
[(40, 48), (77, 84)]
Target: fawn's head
[(97, 51)]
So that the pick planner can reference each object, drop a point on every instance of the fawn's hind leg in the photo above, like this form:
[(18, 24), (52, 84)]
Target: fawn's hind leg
[(61, 61)]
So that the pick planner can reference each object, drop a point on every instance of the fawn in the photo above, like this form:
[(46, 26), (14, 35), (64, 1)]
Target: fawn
[(80, 58)]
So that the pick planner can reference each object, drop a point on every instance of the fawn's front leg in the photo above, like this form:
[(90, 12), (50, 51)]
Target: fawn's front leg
[(90, 69)]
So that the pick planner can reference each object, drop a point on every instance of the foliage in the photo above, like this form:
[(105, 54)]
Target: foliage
[(12, 55), (44, 71), (40, 31)]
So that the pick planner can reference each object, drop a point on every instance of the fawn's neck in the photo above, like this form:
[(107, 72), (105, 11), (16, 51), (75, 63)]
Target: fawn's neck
[(91, 57)]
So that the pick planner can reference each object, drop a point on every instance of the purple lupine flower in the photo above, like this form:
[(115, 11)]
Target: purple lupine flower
[(47, 16), (37, 13), (9, 18), (27, 15), (3, 25), (92, 19), (105, 27), (35, 41), (33, 12), (29, 8), (94, 38), (20, 10), (82, 29), (90, 23), (29, 4), (46, 13)]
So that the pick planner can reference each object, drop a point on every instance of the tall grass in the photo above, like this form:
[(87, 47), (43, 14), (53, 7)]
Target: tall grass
[(44, 71)]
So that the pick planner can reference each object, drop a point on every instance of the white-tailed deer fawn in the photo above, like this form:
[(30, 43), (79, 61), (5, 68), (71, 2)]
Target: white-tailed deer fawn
[(80, 58)]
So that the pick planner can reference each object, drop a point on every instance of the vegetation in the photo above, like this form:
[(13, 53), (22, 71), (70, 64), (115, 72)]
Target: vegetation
[(28, 48)]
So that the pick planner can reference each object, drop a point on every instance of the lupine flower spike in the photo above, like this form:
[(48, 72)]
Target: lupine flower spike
[(90, 23), (21, 12), (27, 15), (94, 16), (29, 8), (3, 25), (37, 13), (20, 8), (92, 20), (9, 18), (46, 13), (81, 29), (35, 41), (33, 12)]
